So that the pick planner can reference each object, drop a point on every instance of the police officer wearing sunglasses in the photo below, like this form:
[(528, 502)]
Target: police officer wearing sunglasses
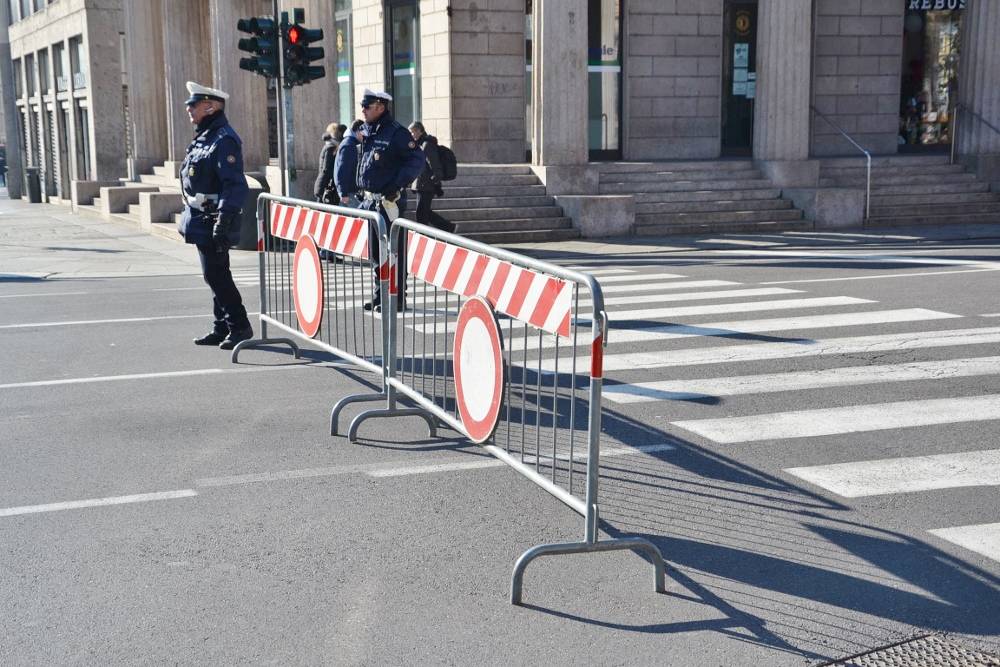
[(389, 160)]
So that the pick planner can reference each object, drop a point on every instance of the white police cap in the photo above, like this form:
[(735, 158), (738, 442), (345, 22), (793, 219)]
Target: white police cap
[(199, 92), (370, 94)]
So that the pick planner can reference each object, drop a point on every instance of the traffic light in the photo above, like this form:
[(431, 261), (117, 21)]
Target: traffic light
[(263, 44), (298, 54)]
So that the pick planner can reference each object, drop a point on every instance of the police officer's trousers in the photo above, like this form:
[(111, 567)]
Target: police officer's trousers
[(227, 304), (373, 251)]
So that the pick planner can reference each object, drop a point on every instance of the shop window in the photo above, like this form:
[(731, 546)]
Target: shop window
[(344, 45), (929, 86), (403, 47), (43, 72), (604, 71)]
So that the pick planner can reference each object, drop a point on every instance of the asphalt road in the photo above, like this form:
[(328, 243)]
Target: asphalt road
[(791, 491)]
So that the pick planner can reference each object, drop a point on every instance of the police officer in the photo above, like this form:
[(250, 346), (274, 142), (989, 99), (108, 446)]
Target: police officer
[(214, 191), (389, 161)]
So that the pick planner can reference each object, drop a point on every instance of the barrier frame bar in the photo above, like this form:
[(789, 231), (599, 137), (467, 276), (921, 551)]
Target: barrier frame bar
[(587, 507)]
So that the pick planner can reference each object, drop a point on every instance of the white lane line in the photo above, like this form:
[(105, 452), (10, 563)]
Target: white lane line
[(850, 419), (98, 502), (33, 325), (639, 277), (808, 348), (857, 257), (304, 473), (41, 294), (983, 539), (601, 272), (164, 374), (859, 479), (655, 285), (877, 237), (667, 390), (875, 277), (990, 315), (742, 242), (495, 463), (741, 307), (693, 296)]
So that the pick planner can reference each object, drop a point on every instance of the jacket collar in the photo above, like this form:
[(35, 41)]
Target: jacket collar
[(384, 120), (212, 122)]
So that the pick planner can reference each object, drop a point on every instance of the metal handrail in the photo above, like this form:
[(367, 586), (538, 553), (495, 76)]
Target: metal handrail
[(868, 157), (959, 108)]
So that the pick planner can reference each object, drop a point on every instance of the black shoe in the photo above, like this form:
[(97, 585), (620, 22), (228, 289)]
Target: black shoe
[(211, 338), (235, 337), (373, 305)]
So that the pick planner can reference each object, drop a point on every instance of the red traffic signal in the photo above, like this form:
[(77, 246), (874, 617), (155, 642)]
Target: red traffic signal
[(294, 35)]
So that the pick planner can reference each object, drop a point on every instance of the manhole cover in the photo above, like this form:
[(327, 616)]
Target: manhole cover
[(930, 651)]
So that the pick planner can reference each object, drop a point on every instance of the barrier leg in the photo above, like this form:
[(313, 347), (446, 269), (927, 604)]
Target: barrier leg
[(344, 402), (257, 342), (626, 543), (352, 433)]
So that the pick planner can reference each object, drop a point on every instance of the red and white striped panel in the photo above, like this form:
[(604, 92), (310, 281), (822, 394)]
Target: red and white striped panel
[(342, 235), (536, 298)]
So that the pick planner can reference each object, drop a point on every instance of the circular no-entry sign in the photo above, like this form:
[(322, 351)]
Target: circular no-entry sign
[(307, 286), (480, 376)]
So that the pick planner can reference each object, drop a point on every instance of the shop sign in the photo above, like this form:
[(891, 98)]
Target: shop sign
[(933, 5)]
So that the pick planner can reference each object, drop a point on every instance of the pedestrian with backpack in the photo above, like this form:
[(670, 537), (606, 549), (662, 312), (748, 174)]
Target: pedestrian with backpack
[(428, 184)]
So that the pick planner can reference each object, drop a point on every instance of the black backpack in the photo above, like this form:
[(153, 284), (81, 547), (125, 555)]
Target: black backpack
[(449, 163)]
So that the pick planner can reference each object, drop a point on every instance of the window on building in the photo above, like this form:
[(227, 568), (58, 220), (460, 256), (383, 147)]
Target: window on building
[(18, 87), (78, 62), (13, 17), (82, 142), (403, 26), (39, 5), (343, 42), (43, 71), (30, 76), (604, 67), (25, 9), (60, 60)]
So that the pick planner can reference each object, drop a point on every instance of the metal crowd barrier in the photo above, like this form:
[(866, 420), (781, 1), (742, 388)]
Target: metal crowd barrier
[(319, 297), (549, 423)]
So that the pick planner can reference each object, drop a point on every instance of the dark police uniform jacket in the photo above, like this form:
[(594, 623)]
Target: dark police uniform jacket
[(390, 159), (212, 167)]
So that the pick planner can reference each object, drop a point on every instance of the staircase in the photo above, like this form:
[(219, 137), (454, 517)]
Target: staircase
[(164, 200), (501, 204), (916, 190), (700, 197)]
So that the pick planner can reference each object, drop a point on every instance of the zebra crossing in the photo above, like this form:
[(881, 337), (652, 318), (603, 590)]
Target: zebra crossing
[(660, 338)]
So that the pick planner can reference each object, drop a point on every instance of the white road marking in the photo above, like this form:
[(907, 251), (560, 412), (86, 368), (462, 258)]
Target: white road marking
[(98, 502), (806, 348), (655, 285), (742, 242), (41, 294), (693, 296), (638, 277), (859, 479), (32, 325), (849, 419), (816, 379), (164, 374), (741, 307), (990, 315), (983, 539), (875, 277), (857, 257), (877, 237)]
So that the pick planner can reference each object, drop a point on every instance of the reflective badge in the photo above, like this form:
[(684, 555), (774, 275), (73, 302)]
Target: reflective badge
[(413, 144), (231, 159), (376, 156), (191, 172)]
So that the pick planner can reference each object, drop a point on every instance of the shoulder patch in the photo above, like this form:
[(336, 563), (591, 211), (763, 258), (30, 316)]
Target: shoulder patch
[(231, 159)]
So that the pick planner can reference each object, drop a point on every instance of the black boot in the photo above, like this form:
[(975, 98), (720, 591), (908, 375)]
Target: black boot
[(235, 336), (213, 337)]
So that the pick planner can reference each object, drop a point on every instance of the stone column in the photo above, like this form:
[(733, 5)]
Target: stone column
[(979, 71), (781, 110), (14, 173), (147, 101), (247, 105), (187, 47), (107, 157), (559, 94)]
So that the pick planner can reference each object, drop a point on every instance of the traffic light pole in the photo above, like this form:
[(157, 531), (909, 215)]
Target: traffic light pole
[(284, 108)]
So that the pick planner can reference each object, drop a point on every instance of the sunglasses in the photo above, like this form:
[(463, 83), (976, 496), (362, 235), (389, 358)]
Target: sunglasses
[(365, 105)]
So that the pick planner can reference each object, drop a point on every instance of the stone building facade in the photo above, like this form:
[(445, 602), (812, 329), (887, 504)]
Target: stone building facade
[(561, 84)]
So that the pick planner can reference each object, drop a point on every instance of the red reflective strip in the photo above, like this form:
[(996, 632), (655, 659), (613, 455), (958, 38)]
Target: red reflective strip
[(597, 358), (276, 212), (328, 229), (296, 231), (286, 222), (546, 300), (392, 279), (432, 266), (383, 271), (499, 280), (314, 224), (260, 245), (477, 275), (520, 293), (353, 231), (418, 252), (457, 262), (564, 327)]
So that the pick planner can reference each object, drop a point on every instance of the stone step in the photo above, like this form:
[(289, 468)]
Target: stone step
[(159, 181), (884, 160), (967, 219), (539, 236), (712, 206), (692, 165), (763, 227), (97, 205), (510, 225), (930, 188), (933, 199), (708, 196), (133, 209), (677, 176), (722, 217), (477, 168), (462, 192), (457, 214), (927, 210), (490, 202), (167, 230), (683, 186), (474, 179), (878, 179), (128, 218), (899, 170), (167, 169)]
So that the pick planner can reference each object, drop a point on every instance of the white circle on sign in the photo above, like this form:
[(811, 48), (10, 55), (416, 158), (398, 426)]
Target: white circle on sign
[(307, 285), (480, 374)]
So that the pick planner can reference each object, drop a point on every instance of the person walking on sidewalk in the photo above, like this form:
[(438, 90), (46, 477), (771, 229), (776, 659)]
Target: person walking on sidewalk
[(215, 189), (323, 189), (428, 184)]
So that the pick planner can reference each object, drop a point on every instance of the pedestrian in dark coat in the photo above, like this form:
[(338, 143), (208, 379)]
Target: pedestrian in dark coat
[(345, 169), (428, 184), (324, 190)]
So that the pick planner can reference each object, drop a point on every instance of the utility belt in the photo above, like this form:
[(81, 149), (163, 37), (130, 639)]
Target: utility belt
[(202, 202), (377, 196)]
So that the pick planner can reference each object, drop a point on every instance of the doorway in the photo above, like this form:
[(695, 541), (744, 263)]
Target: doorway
[(403, 61), (604, 72), (929, 82), (739, 77)]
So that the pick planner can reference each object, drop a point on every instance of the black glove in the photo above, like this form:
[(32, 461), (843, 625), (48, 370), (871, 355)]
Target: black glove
[(224, 223), (391, 194)]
